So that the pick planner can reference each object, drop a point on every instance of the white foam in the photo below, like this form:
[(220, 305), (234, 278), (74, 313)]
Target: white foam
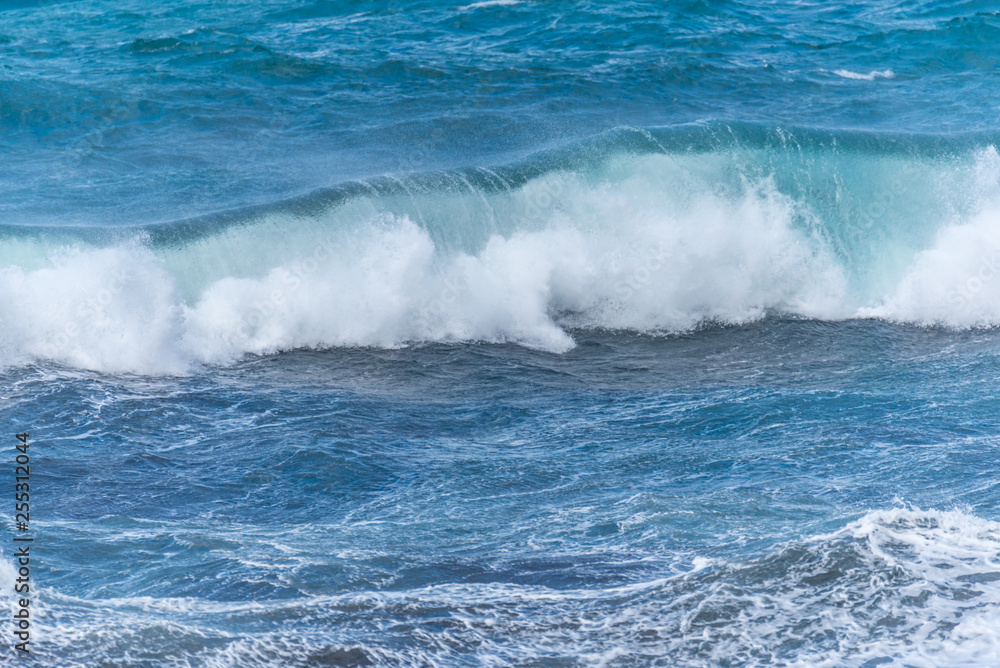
[(110, 309), (948, 608)]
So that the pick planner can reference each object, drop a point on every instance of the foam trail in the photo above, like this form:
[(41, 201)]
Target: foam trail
[(898, 586)]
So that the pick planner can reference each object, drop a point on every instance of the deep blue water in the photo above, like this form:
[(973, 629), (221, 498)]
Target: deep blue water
[(504, 333)]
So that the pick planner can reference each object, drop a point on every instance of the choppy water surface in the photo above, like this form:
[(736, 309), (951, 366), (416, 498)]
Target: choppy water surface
[(504, 333)]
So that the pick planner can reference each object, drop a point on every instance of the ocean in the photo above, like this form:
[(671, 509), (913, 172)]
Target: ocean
[(503, 333)]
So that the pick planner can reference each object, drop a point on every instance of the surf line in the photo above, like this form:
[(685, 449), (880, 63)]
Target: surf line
[(22, 616)]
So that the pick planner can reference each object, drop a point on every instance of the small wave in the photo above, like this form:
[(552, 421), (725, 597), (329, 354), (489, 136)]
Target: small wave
[(490, 3), (871, 76)]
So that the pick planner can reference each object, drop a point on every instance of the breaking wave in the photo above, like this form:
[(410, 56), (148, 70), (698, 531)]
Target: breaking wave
[(651, 231)]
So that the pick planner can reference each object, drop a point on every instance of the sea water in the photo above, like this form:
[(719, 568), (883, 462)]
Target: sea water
[(502, 333)]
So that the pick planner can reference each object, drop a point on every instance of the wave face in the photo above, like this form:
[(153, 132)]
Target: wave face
[(654, 232)]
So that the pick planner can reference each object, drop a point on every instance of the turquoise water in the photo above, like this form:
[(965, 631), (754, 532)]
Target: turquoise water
[(504, 333)]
